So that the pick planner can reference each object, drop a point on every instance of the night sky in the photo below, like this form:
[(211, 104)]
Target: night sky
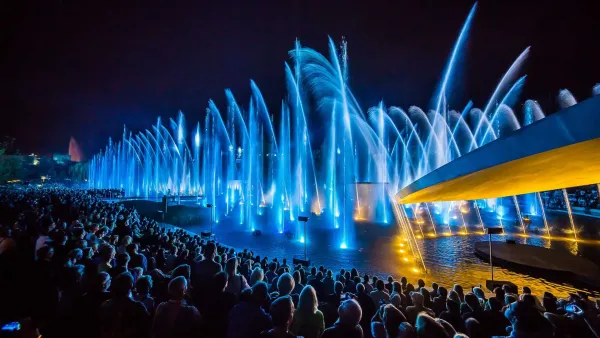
[(85, 68)]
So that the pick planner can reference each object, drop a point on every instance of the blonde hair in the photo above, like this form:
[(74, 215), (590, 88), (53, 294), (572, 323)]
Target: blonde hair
[(308, 300)]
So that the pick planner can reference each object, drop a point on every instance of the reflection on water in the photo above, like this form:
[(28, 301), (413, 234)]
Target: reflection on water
[(381, 251)]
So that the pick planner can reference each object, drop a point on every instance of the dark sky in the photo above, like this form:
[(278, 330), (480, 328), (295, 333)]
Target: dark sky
[(84, 68)]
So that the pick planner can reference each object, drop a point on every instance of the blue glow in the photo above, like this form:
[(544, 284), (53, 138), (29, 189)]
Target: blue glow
[(343, 246), (302, 239)]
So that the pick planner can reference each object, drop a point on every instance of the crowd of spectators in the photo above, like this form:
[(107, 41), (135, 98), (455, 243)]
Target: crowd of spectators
[(76, 265)]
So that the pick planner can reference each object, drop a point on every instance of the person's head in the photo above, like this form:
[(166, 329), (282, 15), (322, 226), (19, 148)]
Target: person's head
[(366, 279), (260, 292), (122, 259), (494, 304), (443, 292), (103, 281), (220, 280), (329, 274), (257, 276), (380, 285), (392, 318), (177, 288), (526, 290), (354, 273), (319, 276), (126, 241), (313, 271), (421, 283), (396, 300), (360, 288), (338, 288), (458, 289), (452, 306), (75, 255), (231, 266), (479, 293), (282, 312), (507, 288), (499, 293), (132, 249), (525, 318), (409, 288), (396, 287), (350, 312), (403, 281), (472, 301), (390, 279), (183, 270), (297, 277), (210, 250), (426, 294), (144, 285), (528, 298), (308, 301), (122, 285), (45, 252), (285, 284), (417, 299), (107, 252), (509, 299), (427, 326)]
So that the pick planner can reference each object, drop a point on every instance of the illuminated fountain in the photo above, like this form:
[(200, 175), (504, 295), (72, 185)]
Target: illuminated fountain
[(321, 153)]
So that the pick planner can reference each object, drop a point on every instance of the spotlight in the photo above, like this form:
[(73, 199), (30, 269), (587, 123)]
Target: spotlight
[(343, 246)]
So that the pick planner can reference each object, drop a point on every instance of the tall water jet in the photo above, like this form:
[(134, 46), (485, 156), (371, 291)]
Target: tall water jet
[(543, 214), (518, 209), (568, 205)]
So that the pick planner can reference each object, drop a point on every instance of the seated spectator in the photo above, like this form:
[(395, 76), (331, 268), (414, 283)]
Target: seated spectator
[(285, 285), (493, 320), (88, 306), (366, 282), (366, 304), (176, 318), (527, 321), (235, 282), (416, 308), (247, 319), (106, 253), (434, 290), (256, 276), (297, 283), (143, 286), (439, 302), (282, 314), (389, 284), (308, 320), (427, 326), (336, 297), (121, 314), (379, 295), (136, 260), (328, 282), (271, 274), (459, 290), (386, 322), (347, 326), (121, 265), (473, 308), (317, 284)]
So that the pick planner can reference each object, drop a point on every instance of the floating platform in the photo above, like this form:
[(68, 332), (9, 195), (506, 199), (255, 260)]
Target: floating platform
[(559, 263)]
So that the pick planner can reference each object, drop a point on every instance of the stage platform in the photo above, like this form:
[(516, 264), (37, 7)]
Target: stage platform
[(541, 259)]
